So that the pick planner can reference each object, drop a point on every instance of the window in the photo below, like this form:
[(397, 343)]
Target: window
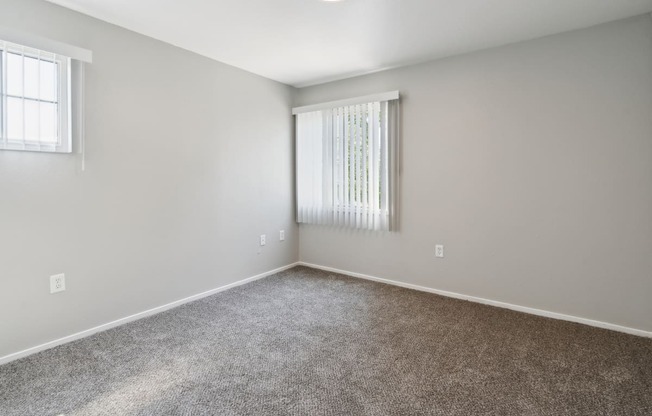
[(34, 99), (347, 163)]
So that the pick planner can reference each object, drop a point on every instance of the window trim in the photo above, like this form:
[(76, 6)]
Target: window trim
[(31, 40), (64, 107)]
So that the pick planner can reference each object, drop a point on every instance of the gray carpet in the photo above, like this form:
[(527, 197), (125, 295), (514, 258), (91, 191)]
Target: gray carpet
[(307, 342)]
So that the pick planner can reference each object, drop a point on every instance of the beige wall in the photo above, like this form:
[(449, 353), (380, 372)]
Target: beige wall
[(532, 164), (188, 162)]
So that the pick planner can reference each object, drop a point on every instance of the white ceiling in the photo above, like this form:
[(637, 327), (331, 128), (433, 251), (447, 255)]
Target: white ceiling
[(304, 42)]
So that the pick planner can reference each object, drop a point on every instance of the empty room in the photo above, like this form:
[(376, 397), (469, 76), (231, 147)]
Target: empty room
[(325, 207)]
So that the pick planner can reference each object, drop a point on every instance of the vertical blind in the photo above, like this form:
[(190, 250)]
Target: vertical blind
[(347, 165)]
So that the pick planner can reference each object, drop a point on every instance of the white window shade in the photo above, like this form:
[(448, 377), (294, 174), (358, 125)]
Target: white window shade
[(347, 164)]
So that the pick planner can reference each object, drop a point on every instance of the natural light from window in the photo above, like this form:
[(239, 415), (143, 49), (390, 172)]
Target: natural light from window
[(34, 99)]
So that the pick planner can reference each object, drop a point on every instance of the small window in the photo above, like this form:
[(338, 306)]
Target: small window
[(34, 100), (347, 163)]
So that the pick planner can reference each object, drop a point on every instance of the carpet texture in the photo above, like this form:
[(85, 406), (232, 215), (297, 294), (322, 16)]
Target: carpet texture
[(308, 342)]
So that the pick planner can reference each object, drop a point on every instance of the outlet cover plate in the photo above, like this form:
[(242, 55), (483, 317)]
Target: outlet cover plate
[(57, 283)]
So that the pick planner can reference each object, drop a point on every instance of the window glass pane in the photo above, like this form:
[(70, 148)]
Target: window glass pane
[(14, 118), (31, 75), (30, 110), (31, 120), (49, 123), (14, 74), (48, 81)]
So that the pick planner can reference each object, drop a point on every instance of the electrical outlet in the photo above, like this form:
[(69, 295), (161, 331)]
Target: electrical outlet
[(262, 239), (281, 235), (57, 283), (439, 250)]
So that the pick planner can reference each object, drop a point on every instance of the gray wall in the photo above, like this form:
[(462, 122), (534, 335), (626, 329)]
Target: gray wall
[(188, 161), (532, 163)]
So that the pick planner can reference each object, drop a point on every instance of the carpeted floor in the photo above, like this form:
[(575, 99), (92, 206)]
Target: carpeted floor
[(307, 342)]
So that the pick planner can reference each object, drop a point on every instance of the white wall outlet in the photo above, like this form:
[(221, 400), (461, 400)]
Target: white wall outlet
[(262, 239), (57, 283), (439, 250), (281, 235)]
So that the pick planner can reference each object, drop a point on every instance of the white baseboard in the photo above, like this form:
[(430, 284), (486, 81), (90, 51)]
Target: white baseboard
[(532, 311), (134, 317), (159, 309)]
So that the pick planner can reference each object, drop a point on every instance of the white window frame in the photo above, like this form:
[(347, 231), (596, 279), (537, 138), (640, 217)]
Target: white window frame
[(64, 101)]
